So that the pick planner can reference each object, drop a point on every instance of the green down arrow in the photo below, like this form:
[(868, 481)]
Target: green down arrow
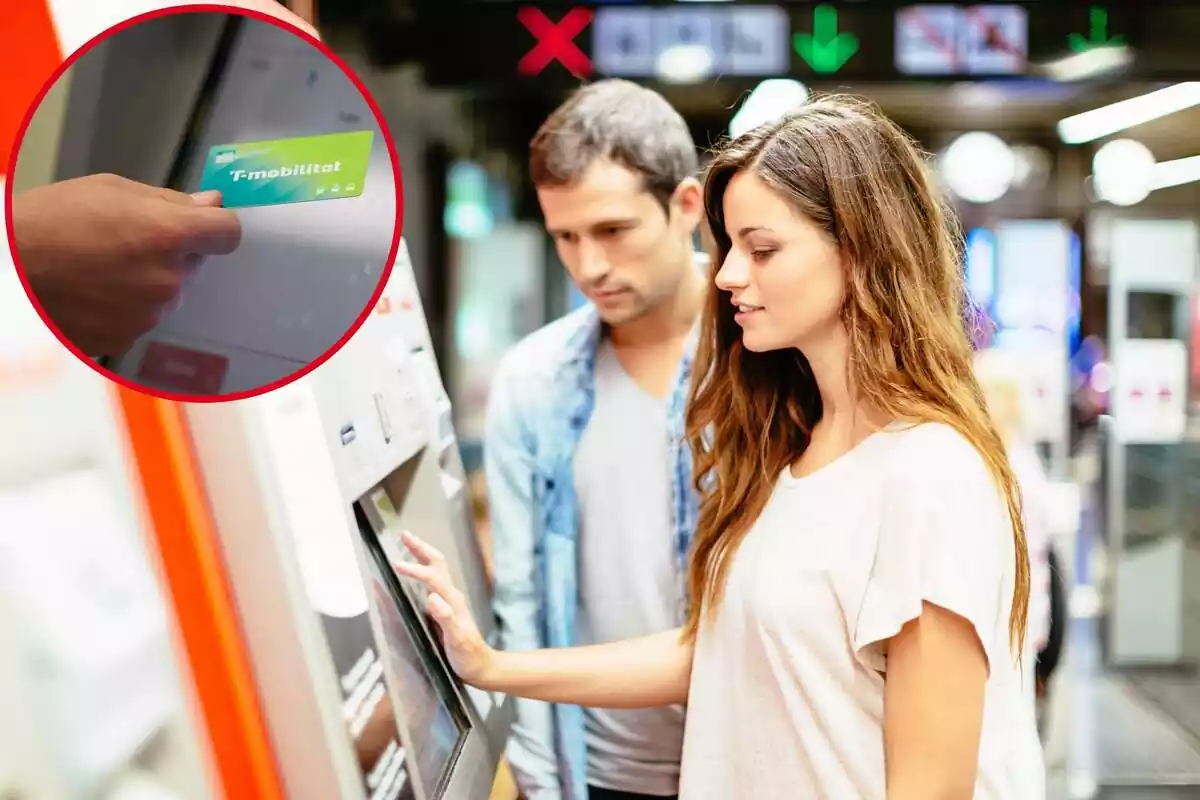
[(1097, 33), (825, 50)]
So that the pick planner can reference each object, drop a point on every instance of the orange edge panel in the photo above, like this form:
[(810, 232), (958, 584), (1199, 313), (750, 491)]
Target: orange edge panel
[(203, 603), (30, 58)]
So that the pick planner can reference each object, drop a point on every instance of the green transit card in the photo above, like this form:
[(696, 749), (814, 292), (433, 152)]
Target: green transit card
[(277, 171)]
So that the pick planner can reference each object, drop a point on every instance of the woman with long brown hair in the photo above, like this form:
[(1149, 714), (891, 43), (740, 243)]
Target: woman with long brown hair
[(859, 577)]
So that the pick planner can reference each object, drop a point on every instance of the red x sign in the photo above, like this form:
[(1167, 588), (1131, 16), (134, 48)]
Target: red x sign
[(555, 41)]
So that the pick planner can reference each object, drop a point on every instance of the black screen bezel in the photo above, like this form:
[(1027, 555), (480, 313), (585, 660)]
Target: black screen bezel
[(427, 645)]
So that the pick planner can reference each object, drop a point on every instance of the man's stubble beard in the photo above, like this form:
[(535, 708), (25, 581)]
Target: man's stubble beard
[(637, 307)]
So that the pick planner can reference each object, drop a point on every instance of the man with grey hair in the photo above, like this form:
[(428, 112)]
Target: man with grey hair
[(588, 474)]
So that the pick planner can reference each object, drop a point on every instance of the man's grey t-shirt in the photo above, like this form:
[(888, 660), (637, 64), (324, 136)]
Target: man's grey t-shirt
[(628, 584)]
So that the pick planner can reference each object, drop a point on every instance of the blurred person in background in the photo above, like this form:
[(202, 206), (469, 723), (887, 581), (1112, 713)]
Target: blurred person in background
[(859, 580), (999, 376), (587, 471)]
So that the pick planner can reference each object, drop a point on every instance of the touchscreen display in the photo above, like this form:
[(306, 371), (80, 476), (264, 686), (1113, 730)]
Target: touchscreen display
[(304, 269), (432, 709)]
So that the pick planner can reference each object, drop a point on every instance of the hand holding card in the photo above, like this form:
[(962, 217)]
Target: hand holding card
[(105, 256)]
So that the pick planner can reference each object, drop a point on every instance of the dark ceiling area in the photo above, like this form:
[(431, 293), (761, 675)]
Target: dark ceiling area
[(473, 47), (1025, 110), (478, 43)]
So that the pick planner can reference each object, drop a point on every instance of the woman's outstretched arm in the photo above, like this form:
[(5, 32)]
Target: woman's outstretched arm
[(638, 673), (646, 672)]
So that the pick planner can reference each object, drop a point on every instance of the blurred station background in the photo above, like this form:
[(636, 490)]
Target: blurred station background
[(1069, 136)]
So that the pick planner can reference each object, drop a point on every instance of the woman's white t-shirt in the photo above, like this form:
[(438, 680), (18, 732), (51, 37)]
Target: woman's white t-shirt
[(786, 696)]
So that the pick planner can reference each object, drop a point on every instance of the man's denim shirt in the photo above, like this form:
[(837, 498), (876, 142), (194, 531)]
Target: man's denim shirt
[(540, 402)]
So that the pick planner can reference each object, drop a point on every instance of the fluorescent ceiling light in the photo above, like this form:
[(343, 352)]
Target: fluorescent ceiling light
[(979, 167), (1122, 172), (1106, 120), (1175, 173), (685, 63), (770, 100), (1088, 64), (1124, 176)]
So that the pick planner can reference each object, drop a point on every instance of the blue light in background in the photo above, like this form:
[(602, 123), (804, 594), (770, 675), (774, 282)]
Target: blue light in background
[(468, 213), (1075, 282), (981, 268)]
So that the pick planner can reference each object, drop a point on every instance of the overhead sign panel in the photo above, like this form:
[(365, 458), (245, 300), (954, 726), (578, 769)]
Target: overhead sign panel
[(547, 47), (962, 40), (756, 40), (631, 42), (623, 42)]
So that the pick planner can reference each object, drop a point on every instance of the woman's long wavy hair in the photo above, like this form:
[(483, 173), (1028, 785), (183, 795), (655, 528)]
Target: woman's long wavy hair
[(855, 173)]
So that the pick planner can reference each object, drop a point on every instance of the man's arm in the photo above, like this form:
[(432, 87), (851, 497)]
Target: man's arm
[(509, 470)]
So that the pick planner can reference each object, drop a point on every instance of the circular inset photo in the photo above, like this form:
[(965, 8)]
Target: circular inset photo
[(204, 204)]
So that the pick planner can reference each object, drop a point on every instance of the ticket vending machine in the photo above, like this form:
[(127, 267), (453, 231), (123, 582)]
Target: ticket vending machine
[(309, 486), (344, 693)]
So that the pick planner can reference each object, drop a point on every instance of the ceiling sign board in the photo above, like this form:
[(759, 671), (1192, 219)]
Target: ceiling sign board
[(1097, 35), (741, 43), (962, 40), (927, 40), (623, 43), (996, 39), (756, 41), (631, 42), (555, 41), (687, 27), (827, 48)]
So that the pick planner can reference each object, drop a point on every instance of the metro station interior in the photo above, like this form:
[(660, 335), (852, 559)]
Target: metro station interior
[(175, 647)]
